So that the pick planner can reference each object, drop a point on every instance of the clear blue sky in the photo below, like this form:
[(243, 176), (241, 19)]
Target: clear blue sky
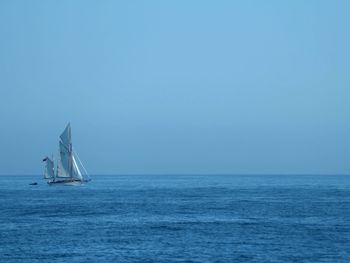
[(171, 87)]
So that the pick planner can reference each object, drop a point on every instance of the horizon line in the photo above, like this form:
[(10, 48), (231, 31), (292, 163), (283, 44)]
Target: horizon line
[(200, 174)]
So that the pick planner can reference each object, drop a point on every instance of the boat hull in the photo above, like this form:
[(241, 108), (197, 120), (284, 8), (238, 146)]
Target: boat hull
[(66, 182)]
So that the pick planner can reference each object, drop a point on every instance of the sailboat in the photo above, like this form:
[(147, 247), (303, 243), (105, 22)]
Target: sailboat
[(67, 171)]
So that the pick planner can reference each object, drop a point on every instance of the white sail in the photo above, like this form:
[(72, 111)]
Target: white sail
[(86, 175), (64, 165), (76, 171), (49, 169), (66, 136), (68, 170)]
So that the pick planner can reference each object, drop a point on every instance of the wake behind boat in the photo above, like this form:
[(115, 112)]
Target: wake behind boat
[(67, 170)]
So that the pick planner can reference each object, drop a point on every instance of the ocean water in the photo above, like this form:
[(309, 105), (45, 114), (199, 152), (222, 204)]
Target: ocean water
[(217, 218)]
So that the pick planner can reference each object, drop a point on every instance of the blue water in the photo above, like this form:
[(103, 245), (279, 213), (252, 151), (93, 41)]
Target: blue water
[(176, 219)]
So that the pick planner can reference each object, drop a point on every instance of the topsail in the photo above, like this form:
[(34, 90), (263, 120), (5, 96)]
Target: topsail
[(66, 136)]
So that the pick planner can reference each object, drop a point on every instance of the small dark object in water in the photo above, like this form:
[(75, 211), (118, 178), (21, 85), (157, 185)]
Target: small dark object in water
[(35, 183)]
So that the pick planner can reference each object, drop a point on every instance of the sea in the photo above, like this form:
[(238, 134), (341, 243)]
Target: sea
[(177, 218)]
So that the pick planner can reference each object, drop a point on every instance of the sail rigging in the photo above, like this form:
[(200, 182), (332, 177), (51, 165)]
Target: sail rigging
[(86, 175), (67, 167), (76, 170)]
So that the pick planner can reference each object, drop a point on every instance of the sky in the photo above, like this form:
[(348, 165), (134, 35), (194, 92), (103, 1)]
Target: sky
[(177, 87)]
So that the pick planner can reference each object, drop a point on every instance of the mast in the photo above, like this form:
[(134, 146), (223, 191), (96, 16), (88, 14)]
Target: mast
[(53, 167)]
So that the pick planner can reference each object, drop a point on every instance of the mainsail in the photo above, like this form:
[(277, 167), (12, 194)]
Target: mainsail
[(64, 162), (65, 166)]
